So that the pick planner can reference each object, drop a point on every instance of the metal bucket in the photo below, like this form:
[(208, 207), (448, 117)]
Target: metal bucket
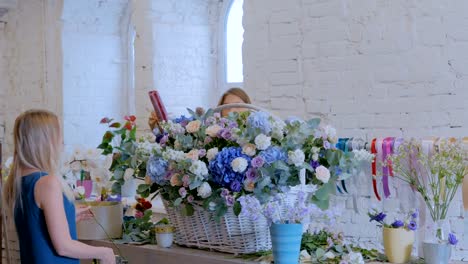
[(435, 253)]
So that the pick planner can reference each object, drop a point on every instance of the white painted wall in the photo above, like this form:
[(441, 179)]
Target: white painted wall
[(375, 68), (93, 65)]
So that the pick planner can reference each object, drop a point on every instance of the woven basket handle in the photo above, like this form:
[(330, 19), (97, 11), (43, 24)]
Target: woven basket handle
[(257, 108), (239, 105)]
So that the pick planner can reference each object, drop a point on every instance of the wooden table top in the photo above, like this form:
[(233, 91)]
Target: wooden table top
[(177, 255)]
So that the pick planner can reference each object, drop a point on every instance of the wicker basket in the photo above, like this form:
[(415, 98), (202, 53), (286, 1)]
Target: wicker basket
[(233, 234)]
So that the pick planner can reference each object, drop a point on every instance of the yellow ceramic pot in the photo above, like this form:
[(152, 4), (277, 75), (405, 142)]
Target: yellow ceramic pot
[(398, 244)]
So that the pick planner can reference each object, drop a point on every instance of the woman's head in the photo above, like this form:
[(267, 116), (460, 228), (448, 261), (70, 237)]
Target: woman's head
[(232, 96), (37, 140)]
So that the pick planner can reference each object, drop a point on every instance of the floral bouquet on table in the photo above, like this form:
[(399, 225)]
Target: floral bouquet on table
[(437, 177), (211, 160), (129, 155)]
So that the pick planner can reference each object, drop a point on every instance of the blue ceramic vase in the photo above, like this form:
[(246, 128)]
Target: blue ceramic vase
[(286, 242)]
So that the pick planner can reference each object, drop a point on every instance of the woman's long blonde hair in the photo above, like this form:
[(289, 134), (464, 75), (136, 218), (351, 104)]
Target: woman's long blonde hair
[(37, 142)]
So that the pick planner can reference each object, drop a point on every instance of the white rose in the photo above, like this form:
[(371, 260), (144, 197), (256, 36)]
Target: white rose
[(193, 154), (193, 126), (322, 173), (249, 149), (211, 154), (239, 164), (204, 190), (213, 130), (354, 258), (262, 142), (296, 157), (129, 174)]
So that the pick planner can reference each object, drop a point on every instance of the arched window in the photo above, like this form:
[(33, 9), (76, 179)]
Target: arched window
[(233, 39)]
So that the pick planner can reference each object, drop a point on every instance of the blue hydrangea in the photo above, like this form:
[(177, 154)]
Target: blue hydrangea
[(156, 169), (259, 120), (273, 154), (221, 170), (183, 120)]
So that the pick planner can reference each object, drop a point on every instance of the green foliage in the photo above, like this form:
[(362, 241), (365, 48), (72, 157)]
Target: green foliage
[(139, 230)]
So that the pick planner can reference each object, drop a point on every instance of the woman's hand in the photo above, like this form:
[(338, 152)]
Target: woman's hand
[(108, 257), (83, 213)]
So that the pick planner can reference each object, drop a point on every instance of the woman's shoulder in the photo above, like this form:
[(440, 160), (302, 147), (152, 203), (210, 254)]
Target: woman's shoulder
[(49, 182)]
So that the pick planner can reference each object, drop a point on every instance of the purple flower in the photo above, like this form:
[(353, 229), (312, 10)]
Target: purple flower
[(314, 164), (378, 217), (201, 153), (326, 145), (182, 192), (251, 174), (210, 120), (225, 133), (190, 199), (236, 186), (257, 162), (229, 200), (452, 239), (415, 214), (412, 225), (224, 192), (330, 242), (398, 224), (208, 140), (232, 124)]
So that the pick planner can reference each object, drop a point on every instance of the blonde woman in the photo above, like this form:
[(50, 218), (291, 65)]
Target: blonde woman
[(38, 198), (232, 96)]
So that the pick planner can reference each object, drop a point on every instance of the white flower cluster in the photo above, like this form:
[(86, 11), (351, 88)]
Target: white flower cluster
[(146, 148), (199, 169), (315, 153), (171, 154), (204, 190), (296, 157), (239, 164), (277, 127), (262, 142), (363, 155), (175, 128)]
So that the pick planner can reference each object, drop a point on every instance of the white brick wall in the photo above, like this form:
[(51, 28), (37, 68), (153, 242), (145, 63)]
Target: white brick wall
[(23, 79), (93, 65), (376, 68)]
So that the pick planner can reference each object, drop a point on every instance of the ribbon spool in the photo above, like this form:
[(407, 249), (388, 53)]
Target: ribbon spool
[(374, 168), (387, 150)]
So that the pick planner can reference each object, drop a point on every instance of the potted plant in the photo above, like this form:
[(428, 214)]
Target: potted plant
[(164, 233), (285, 218), (128, 163), (398, 236), (437, 177)]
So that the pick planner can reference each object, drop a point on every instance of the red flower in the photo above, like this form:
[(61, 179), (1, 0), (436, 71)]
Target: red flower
[(128, 126), (147, 205), (105, 120), (131, 118)]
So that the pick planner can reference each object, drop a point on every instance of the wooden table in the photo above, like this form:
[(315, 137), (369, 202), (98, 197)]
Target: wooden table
[(177, 255)]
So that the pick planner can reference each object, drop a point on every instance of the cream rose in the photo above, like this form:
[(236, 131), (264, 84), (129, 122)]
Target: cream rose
[(249, 149), (193, 154), (322, 173), (213, 130), (193, 126)]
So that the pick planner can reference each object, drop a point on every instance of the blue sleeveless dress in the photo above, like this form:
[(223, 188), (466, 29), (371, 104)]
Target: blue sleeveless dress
[(35, 243)]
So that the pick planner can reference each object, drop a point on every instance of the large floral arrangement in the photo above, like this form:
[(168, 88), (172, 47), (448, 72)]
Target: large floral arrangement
[(211, 160)]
